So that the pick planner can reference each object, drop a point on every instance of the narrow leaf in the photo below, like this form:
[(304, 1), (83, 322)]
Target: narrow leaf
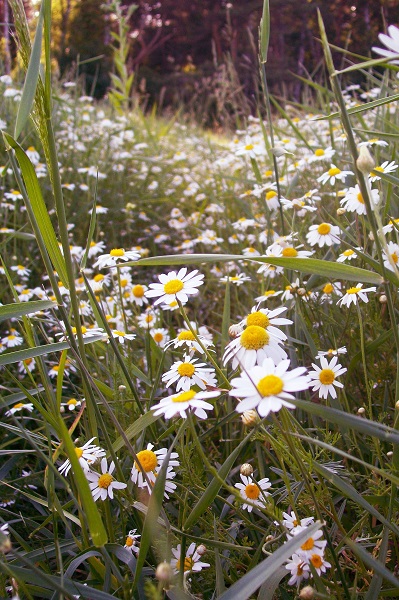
[(17, 309), (264, 32), (31, 79), (372, 563)]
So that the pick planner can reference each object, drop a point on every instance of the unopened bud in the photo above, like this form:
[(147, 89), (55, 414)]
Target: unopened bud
[(365, 162), (307, 593), (202, 549), (164, 572), (383, 299), (246, 469), (340, 212), (301, 291), (250, 417), (361, 411), (397, 405), (389, 454), (122, 388)]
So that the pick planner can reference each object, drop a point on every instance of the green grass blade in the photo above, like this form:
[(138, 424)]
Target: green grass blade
[(349, 491), (213, 488), (31, 79), (375, 62), (17, 309), (135, 429), (359, 109), (39, 208), (364, 426), (94, 522), (12, 357), (372, 563), (247, 585), (264, 32)]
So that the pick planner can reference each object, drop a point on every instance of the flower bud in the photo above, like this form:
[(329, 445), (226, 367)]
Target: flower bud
[(164, 572), (397, 405), (365, 162), (249, 417), (361, 411), (341, 211), (202, 549), (235, 330), (307, 593), (246, 469), (389, 454), (383, 299), (301, 291)]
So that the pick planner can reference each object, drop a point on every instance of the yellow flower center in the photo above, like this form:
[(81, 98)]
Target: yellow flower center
[(120, 333), (394, 257), (173, 286), (19, 405), (328, 288), (148, 460), (269, 293), (117, 252), (348, 252), (249, 147), (308, 545), (270, 195), (82, 327), (186, 370), (149, 318), (324, 228), (188, 564), (252, 491), (138, 291), (124, 282), (334, 171), (97, 278), (353, 290), (299, 570), (319, 152), (186, 335), (15, 192), (158, 337), (129, 541), (72, 402), (360, 198), (184, 396), (289, 252), (268, 173), (296, 523), (326, 376), (271, 385), (11, 337), (79, 452), (316, 561), (105, 480), (258, 318), (380, 169), (254, 338)]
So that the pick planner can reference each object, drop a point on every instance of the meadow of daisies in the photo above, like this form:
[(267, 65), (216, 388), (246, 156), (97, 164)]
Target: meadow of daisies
[(199, 380)]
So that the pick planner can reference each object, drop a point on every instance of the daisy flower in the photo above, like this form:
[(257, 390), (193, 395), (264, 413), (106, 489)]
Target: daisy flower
[(390, 41), (332, 352), (238, 279), (187, 373), (96, 248), (137, 294), (131, 542), (102, 485), (392, 256), (175, 286), (252, 347), (312, 545), (114, 257), (291, 522), (192, 560), (333, 174), (254, 491), (268, 387), (18, 407), (187, 339), (266, 295), (151, 462), (180, 403), (386, 167), (287, 251), (266, 318), (122, 336), (319, 563), (71, 404), (322, 154), (87, 455), (298, 568), (12, 340), (21, 270), (324, 378), (160, 336), (353, 200), (323, 235), (353, 293), (347, 255)]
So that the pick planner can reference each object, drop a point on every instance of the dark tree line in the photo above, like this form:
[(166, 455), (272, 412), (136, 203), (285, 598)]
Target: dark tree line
[(177, 46)]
